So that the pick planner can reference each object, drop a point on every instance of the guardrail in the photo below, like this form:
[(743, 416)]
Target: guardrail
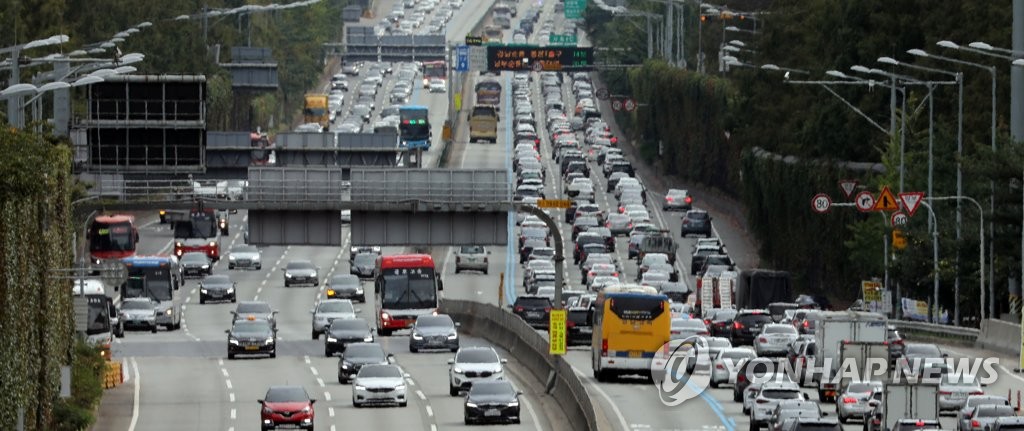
[(514, 335), (932, 331)]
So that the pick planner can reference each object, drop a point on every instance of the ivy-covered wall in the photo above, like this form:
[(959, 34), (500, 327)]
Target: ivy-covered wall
[(36, 316)]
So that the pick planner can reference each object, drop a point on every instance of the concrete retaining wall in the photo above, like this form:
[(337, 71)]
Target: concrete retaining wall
[(1000, 336), (531, 349)]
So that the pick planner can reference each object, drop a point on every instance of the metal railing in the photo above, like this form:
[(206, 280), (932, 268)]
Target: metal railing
[(146, 110), (932, 331)]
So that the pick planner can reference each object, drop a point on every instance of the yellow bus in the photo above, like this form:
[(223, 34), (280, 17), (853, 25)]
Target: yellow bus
[(631, 324)]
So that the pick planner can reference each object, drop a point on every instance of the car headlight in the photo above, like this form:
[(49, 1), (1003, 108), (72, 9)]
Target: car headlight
[(231, 290), (332, 340), (287, 275), (368, 339), (514, 404), (400, 387), (346, 365), (457, 370), (359, 387), (203, 290), (232, 341), (306, 409), (453, 336), (269, 341), (232, 257), (359, 291), (471, 405), (416, 336), (168, 311), (206, 266)]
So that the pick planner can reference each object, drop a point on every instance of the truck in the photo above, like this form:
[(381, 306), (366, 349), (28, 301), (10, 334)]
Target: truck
[(315, 110), (833, 330), (483, 124), (658, 242), (903, 401), (716, 289), (871, 359), (96, 317), (756, 288)]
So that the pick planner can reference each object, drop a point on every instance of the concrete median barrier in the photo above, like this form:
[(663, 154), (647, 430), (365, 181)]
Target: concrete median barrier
[(999, 336), (531, 349)]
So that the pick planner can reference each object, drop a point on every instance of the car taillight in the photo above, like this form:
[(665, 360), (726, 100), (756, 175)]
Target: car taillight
[(608, 224), (920, 423), (570, 324), (849, 400), (900, 341), (945, 393), (701, 332), (707, 321), (688, 199), (737, 325), (615, 274), (615, 140), (519, 309), (604, 347), (762, 340), (719, 367), (547, 309), (807, 324), (686, 221), (741, 377), (668, 198), (975, 423), (977, 393)]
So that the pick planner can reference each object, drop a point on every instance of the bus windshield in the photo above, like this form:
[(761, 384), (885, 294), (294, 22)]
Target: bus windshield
[(434, 69), (409, 289), (202, 226), (157, 283), (99, 319), (111, 236), (636, 307)]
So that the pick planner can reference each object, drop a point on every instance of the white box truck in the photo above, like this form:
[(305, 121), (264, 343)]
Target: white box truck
[(868, 359), (835, 328), (905, 401)]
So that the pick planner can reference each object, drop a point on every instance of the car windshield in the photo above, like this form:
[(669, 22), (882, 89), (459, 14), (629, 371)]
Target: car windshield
[(697, 215), (532, 302), (434, 322), (336, 307), (781, 394), (477, 356), (780, 329), (379, 371), (286, 394), (492, 388), (348, 325), (344, 280), (862, 387), (692, 324), (217, 279), (365, 259), (194, 258), (253, 307), (475, 249), (368, 352), (300, 265), (137, 305), (251, 327)]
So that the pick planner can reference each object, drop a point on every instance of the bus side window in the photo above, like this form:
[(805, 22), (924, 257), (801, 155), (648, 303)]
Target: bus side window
[(376, 285), (440, 284)]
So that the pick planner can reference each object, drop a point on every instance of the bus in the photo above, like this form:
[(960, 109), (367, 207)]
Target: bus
[(158, 278), (112, 237), (405, 287), (631, 324), (414, 127), (488, 92), (434, 69), (199, 230), (96, 318)]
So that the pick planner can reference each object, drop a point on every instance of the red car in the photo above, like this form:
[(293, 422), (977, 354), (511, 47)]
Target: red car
[(288, 406)]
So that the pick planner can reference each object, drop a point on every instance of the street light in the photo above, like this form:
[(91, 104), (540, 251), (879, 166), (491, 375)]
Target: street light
[(776, 68)]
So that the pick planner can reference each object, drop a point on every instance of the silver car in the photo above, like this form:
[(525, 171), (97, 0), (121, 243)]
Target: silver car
[(139, 312), (787, 409), (619, 224), (683, 328), (471, 257), (473, 364), (768, 398), (954, 390), (853, 401), (985, 416), (245, 256), (963, 417), (775, 339), (328, 310), (379, 384)]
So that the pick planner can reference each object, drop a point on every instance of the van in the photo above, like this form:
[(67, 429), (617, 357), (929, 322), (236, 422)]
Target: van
[(483, 124)]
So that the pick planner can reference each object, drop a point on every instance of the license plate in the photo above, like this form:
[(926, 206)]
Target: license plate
[(492, 412), (958, 395), (532, 314), (252, 347), (635, 354)]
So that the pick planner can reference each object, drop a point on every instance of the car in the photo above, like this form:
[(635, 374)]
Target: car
[(792, 409), (600, 270), (912, 424), (492, 401), (340, 332), (696, 222), (917, 355), (963, 417), (896, 346), (1013, 423), (256, 309), (954, 390), (434, 332), (719, 321), (725, 365), (774, 339), (768, 369), (331, 309), (139, 313), (355, 250), (286, 405), (252, 336), (768, 399), (534, 309), (853, 401), (345, 286), (471, 257), (811, 424), (357, 355), (677, 200), (683, 328), (801, 356), (474, 364), (699, 256), (245, 256), (217, 288), (300, 272), (747, 324), (379, 384), (437, 85), (364, 265), (195, 264), (351, 69), (985, 416)]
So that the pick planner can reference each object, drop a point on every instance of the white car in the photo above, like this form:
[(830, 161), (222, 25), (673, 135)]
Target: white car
[(245, 256), (954, 390), (726, 365), (601, 270), (328, 310), (768, 397), (379, 384), (775, 339), (474, 364), (437, 85), (683, 328)]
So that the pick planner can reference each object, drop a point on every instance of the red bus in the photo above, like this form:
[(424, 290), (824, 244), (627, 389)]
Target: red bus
[(434, 69), (112, 237), (406, 287)]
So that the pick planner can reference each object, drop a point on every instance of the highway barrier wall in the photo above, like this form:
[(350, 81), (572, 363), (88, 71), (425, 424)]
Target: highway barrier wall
[(531, 349), (999, 336)]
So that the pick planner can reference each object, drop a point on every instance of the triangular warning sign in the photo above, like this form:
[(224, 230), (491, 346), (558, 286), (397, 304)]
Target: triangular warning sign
[(886, 201), (847, 186), (911, 201)]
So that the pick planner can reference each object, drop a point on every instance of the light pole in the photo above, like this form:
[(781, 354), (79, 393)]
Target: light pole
[(981, 251), (992, 184), (14, 105), (959, 161), (933, 310)]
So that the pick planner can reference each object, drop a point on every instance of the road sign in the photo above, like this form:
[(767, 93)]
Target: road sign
[(898, 218), (886, 201), (602, 93), (556, 332), (554, 203), (457, 101), (477, 58), (865, 201), (523, 57), (911, 201), (562, 39), (574, 8), (474, 40), (461, 58), (616, 105), (899, 241), (872, 291), (848, 186), (629, 105), (820, 203)]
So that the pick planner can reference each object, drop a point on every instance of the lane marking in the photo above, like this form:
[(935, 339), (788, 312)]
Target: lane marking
[(430, 412), (135, 400), (533, 413), (231, 397), (228, 383), (419, 393), (607, 399), (320, 382), (327, 395), (224, 371), (330, 411), (306, 357), (314, 371), (232, 414)]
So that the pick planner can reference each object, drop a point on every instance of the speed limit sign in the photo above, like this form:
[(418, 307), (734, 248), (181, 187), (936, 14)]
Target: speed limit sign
[(821, 203)]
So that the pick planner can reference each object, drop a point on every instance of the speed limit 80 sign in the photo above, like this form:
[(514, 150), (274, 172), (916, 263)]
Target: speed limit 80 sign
[(820, 203)]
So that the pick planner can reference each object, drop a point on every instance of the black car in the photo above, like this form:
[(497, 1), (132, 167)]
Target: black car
[(217, 288), (252, 336), (696, 222), (434, 332), (356, 355), (533, 309), (364, 265), (579, 325), (747, 325), (300, 272), (492, 401), (345, 286), (195, 264), (341, 332), (719, 323)]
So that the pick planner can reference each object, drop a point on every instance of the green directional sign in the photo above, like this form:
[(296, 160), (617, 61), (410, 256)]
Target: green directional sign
[(562, 39), (574, 8)]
